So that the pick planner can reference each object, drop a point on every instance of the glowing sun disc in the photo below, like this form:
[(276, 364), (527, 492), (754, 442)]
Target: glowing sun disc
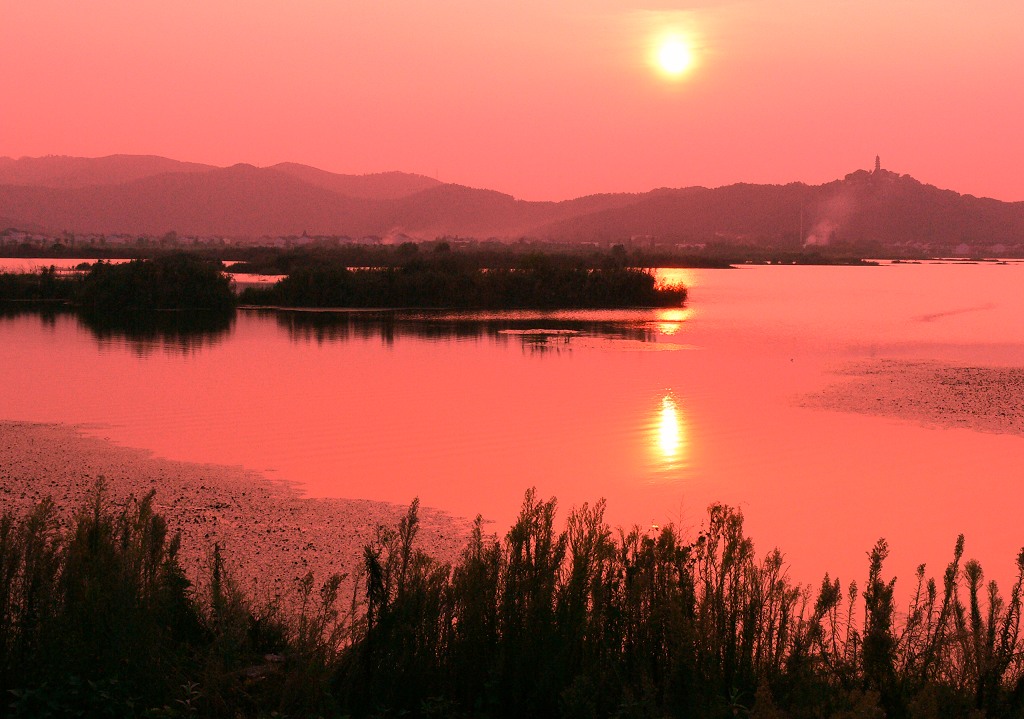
[(674, 57)]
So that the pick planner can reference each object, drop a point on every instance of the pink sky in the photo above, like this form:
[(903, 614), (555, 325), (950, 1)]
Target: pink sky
[(541, 99)]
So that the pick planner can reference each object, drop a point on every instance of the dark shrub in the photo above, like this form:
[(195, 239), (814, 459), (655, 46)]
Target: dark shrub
[(170, 282)]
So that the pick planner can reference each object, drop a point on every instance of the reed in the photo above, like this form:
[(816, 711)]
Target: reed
[(553, 619), (588, 622)]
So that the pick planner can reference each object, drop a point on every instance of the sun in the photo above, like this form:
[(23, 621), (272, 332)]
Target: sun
[(674, 57)]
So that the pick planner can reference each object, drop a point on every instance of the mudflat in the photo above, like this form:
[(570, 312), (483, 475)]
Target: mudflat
[(982, 399), (270, 534)]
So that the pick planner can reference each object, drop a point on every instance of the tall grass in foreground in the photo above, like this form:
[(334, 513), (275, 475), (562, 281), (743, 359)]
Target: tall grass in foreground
[(585, 622), (98, 619), (578, 621)]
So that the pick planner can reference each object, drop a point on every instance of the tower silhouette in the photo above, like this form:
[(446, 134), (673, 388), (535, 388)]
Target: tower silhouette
[(878, 163)]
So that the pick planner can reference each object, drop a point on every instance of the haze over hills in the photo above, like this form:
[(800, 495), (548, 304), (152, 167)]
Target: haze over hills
[(153, 195), (378, 186), (877, 207), (67, 172)]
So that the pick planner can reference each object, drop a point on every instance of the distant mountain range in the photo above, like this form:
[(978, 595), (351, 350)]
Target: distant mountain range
[(148, 195)]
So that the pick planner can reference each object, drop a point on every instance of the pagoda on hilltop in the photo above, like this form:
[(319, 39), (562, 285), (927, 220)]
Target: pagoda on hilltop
[(878, 163)]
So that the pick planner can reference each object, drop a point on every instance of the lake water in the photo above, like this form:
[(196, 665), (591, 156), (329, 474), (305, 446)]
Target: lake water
[(660, 411)]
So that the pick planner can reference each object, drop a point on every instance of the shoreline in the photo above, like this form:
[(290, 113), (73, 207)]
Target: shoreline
[(270, 534)]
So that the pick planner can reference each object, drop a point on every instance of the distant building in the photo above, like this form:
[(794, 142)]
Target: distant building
[(878, 163)]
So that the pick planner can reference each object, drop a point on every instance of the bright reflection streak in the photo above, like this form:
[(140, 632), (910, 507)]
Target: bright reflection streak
[(676, 276), (669, 430), (670, 321)]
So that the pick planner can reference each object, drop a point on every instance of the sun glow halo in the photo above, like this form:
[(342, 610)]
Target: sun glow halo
[(674, 57)]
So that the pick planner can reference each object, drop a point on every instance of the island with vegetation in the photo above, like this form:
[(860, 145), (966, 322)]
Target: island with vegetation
[(441, 282), (437, 279), (173, 281)]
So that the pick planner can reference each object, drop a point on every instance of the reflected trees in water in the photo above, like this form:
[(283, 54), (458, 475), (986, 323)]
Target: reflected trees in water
[(147, 332), (190, 330), (144, 332), (531, 330)]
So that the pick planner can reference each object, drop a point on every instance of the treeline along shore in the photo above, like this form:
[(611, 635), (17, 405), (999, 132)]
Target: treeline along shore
[(275, 258), (98, 619), (441, 279)]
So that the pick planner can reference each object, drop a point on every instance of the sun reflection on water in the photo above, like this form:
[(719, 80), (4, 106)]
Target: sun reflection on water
[(670, 321), (671, 440)]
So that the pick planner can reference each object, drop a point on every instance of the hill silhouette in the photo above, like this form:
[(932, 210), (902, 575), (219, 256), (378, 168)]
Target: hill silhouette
[(67, 172), (378, 186), (238, 201), (151, 195), (880, 208)]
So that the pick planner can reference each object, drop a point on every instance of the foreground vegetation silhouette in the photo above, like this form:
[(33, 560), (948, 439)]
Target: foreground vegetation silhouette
[(97, 619)]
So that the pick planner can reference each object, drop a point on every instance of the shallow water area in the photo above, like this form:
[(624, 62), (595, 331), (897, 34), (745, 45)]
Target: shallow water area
[(37, 264), (659, 411)]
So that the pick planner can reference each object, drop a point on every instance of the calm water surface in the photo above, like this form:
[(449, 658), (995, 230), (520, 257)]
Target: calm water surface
[(661, 412)]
